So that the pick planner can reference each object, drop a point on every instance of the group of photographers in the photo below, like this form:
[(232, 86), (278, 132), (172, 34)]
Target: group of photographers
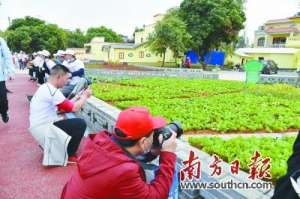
[(111, 164), (41, 64), (108, 166), (57, 135)]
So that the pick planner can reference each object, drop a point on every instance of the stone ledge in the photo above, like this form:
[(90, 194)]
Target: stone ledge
[(100, 115), (130, 74), (278, 79), (169, 69)]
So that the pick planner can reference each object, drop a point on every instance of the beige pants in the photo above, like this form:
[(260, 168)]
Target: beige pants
[(54, 141)]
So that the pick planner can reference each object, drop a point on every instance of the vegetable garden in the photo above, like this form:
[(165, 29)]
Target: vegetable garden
[(217, 107), (278, 149), (209, 105)]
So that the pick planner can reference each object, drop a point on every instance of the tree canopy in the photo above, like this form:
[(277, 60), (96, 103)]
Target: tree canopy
[(170, 33), (27, 21), (75, 39), (212, 22), (108, 34), (1, 33), (31, 34), (201, 25)]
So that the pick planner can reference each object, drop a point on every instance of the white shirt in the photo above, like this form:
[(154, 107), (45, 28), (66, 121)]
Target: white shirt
[(50, 64), (43, 106), (74, 66), (38, 62)]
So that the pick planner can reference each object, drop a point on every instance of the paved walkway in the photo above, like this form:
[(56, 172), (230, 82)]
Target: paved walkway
[(22, 175)]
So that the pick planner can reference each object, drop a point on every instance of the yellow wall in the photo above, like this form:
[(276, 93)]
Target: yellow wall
[(235, 59), (80, 53), (282, 60), (133, 55), (142, 36), (269, 40), (291, 41), (130, 55), (279, 24), (96, 52), (296, 21)]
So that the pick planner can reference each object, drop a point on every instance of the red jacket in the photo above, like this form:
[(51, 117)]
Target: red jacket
[(106, 172)]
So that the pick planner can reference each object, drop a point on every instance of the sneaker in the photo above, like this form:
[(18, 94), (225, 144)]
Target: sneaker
[(72, 159), (5, 117)]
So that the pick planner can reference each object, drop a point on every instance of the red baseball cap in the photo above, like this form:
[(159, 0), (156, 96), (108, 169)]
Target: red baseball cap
[(137, 122)]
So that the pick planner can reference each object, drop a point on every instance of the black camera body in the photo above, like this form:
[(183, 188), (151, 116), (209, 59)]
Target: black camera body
[(166, 132)]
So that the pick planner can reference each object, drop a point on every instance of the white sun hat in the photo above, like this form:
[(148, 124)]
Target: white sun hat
[(45, 53), (59, 53), (70, 52)]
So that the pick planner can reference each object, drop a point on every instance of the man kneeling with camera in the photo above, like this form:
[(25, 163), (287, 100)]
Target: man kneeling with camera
[(108, 167), (58, 137)]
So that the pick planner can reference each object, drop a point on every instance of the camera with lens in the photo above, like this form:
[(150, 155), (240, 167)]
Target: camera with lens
[(166, 133)]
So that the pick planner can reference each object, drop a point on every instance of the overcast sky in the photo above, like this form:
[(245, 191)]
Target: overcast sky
[(124, 15)]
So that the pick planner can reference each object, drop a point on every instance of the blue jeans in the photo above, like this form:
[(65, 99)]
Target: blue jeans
[(174, 190)]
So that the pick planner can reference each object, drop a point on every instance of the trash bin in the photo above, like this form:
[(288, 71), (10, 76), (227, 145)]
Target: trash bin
[(253, 69)]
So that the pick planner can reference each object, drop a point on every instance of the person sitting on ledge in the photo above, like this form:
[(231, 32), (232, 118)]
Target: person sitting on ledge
[(58, 137), (108, 167), (77, 70)]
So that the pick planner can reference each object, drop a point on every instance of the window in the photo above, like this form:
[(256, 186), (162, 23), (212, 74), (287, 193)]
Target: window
[(279, 40), (87, 49), (261, 42), (141, 54), (121, 55), (130, 55)]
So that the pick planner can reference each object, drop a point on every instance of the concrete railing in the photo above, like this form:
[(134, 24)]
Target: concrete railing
[(279, 79), (100, 115), (187, 73)]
